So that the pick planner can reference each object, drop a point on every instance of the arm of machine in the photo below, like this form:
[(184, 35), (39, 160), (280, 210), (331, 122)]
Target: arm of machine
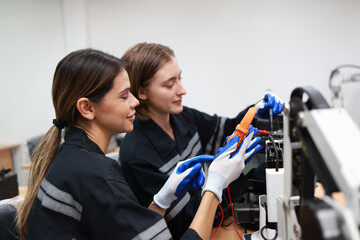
[(319, 143)]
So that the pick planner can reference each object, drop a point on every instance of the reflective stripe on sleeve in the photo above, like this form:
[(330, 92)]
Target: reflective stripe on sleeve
[(60, 195), (164, 235), (170, 164), (52, 201), (193, 146), (192, 149), (219, 135), (155, 231), (179, 206)]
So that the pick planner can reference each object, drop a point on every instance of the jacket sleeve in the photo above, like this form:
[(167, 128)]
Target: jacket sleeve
[(143, 178), (191, 234), (112, 212)]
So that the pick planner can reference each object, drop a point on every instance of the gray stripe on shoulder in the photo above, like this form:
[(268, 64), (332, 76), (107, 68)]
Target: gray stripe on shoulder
[(192, 148), (164, 235), (209, 145), (56, 206), (179, 206), (153, 231), (170, 164), (60, 195), (220, 134), (194, 151)]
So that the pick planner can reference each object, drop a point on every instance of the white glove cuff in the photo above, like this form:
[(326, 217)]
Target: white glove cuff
[(164, 197), (215, 184)]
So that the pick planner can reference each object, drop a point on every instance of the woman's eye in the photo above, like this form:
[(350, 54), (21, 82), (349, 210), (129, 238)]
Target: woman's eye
[(125, 97), (170, 84)]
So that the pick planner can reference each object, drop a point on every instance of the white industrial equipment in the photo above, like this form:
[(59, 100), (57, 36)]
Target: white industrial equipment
[(320, 144)]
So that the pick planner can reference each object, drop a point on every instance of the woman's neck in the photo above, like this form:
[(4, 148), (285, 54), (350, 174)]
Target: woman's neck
[(100, 138), (164, 122)]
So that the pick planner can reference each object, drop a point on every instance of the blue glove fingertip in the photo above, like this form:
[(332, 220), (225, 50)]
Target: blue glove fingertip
[(279, 108), (200, 180), (233, 139), (255, 130), (251, 127), (191, 162), (195, 184), (253, 143), (255, 150), (196, 168), (271, 100), (266, 97)]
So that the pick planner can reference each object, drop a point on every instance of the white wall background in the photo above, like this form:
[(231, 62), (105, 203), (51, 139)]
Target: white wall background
[(230, 51)]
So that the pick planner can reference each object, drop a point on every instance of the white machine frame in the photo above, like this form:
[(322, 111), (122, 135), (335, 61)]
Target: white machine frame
[(337, 138)]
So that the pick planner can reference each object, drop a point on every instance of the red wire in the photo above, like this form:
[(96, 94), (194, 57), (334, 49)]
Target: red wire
[(264, 132), (232, 211), (222, 218)]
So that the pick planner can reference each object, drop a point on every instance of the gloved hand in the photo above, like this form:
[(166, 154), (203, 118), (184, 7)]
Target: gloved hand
[(270, 100), (186, 174), (226, 167)]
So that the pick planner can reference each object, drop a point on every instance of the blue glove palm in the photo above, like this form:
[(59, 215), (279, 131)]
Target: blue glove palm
[(270, 100), (186, 174)]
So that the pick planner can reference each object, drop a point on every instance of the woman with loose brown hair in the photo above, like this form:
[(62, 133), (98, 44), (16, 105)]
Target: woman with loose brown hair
[(166, 132), (145, 59), (75, 191)]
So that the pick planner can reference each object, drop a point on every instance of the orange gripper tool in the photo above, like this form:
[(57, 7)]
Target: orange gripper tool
[(242, 128)]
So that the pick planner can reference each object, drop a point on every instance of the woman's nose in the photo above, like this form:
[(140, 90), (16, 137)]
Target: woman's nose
[(134, 101), (181, 89)]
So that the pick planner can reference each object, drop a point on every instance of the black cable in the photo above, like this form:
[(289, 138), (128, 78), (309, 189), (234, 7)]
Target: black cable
[(271, 120), (259, 101), (276, 153), (262, 235)]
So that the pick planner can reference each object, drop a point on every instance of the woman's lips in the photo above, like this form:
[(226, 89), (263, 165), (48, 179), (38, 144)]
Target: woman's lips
[(178, 102), (132, 117)]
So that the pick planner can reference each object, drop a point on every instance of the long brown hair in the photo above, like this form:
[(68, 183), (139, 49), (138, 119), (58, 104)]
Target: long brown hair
[(143, 60), (84, 73)]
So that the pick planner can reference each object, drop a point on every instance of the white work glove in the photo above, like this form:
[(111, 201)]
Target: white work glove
[(226, 166), (269, 100), (186, 174)]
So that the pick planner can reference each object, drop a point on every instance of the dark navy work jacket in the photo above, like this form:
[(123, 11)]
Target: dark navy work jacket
[(85, 196)]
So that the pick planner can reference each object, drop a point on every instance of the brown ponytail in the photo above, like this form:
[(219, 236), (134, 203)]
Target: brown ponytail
[(44, 153)]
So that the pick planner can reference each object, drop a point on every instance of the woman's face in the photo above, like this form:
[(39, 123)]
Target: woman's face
[(116, 111), (164, 94)]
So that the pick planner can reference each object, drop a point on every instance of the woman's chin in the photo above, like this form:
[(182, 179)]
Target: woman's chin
[(177, 110), (127, 129)]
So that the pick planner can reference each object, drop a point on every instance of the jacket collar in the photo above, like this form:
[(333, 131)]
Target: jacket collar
[(162, 142), (76, 136)]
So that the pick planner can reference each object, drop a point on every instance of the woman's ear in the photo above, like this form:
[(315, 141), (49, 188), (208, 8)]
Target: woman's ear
[(85, 108), (142, 93)]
